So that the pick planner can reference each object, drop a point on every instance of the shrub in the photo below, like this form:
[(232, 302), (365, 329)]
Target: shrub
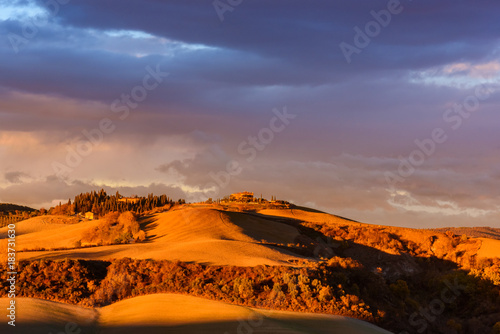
[(400, 289), (115, 228)]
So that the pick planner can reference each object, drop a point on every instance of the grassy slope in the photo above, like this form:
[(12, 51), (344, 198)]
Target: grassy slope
[(201, 235), (169, 313), (307, 215), (48, 232), (41, 316), (490, 248)]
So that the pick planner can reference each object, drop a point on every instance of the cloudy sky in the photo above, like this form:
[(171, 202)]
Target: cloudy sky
[(382, 111)]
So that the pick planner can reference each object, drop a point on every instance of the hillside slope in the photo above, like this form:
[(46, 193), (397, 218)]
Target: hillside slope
[(269, 236), (48, 232), (191, 234), (170, 313), (42, 316)]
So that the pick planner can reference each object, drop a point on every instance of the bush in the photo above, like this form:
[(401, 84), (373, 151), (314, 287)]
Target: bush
[(400, 289), (115, 228)]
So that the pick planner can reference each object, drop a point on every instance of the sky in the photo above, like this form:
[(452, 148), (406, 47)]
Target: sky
[(385, 112)]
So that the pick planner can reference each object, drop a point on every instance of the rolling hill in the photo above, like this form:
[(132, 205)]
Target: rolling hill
[(191, 234), (295, 258), (269, 236), (170, 313)]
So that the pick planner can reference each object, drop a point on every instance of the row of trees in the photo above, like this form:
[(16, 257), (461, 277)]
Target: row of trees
[(11, 219), (100, 203)]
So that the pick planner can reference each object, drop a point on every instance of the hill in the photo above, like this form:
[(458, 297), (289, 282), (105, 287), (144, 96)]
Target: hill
[(265, 236), (162, 313), (8, 207), (42, 316), (202, 235)]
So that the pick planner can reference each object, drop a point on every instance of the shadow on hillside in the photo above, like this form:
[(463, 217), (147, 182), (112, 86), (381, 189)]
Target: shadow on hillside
[(303, 208), (44, 328), (390, 266), (245, 325), (377, 279), (65, 254), (148, 223)]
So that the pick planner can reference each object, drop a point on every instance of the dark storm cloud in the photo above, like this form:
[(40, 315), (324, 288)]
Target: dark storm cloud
[(14, 177), (305, 32), (261, 44), (355, 119)]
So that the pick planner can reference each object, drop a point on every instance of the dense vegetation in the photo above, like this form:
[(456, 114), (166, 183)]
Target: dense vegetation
[(443, 300), (415, 272), (285, 288), (114, 228)]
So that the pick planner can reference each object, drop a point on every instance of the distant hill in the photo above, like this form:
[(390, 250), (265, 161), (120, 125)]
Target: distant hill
[(8, 207), (476, 232)]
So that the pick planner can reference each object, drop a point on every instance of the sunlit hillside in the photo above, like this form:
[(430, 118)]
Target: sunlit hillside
[(167, 313)]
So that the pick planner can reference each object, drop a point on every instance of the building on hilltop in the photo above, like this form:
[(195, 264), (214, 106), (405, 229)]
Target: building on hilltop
[(244, 196)]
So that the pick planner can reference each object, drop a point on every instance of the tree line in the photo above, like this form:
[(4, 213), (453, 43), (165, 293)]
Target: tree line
[(100, 203)]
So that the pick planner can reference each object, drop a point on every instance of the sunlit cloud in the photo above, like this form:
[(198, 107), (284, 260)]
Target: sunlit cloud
[(20, 10), (139, 44), (459, 75), (405, 201), (128, 33)]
